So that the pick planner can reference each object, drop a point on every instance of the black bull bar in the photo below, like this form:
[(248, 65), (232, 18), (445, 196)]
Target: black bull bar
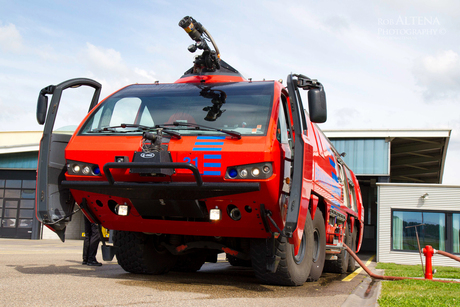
[(159, 199)]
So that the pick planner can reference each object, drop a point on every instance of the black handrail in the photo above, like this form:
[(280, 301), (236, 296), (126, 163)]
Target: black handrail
[(172, 165)]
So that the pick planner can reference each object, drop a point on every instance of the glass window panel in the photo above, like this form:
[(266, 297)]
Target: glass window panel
[(28, 194), (398, 230), (26, 214), (365, 156), (72, 110), (125, 111), (409, 236), (433, 232), (1, 202), (9, 223), (10, 213), (2, 183), (28, 184), (456, 232), (11, 204), (25, 223), (12, 193), (247, 108), (27, 203), (13, 184), (1, 193)]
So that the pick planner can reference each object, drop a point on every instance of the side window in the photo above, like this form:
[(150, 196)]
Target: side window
[(351, 189), (346, 198), (287, 121), (281, 130)]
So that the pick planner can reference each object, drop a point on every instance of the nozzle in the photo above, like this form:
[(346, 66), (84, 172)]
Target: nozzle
[(192, 27)]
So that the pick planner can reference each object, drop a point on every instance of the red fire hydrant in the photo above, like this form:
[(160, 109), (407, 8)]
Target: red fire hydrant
[(429, 251)]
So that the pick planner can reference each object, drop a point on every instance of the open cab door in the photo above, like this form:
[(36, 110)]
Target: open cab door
[(54, 204), (298, 210)]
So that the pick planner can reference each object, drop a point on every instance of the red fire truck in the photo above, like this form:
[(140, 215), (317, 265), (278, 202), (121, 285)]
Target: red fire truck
[(209, 164)]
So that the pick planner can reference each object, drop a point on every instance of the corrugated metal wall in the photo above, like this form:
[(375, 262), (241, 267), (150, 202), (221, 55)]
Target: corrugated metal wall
[(408, 196), (365, 156), (19, 160)]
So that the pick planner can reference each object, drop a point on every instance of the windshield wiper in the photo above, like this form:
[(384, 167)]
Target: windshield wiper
[(147, 128), (106, 129), (139, 127), (229, 132)]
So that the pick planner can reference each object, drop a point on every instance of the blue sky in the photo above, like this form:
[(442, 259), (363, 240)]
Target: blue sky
[(385, 65)]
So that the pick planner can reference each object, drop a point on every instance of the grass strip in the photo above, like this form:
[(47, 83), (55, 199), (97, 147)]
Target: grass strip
[(418, 292)]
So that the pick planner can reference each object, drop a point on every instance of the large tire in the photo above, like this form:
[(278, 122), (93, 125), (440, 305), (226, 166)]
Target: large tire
[(351, 260), (238, 262), (341, 264), (292, 270), (190, 262), (319, 246), (139, 253)]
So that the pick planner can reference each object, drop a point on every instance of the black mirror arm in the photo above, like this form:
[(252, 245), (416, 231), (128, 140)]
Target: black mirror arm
[(48, 90), (306, 83)]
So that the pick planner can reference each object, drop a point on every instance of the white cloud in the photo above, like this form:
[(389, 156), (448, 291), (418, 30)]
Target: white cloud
[(105, 59), (346, 116), (10, 38), (147, 75), (108, 67), (439, 75)]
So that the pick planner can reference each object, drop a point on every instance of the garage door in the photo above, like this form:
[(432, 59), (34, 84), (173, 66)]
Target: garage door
[(17, 203)]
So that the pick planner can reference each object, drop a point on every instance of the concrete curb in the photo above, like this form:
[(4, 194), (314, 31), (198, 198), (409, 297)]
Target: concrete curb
[(366, 294)]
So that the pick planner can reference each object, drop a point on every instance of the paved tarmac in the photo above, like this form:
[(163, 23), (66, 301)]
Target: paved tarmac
[(49, 273)]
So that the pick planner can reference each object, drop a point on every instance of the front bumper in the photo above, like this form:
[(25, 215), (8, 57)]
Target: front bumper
[(155, 199)]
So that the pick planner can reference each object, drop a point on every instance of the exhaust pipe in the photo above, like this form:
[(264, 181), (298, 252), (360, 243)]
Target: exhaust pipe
[(234, 212)]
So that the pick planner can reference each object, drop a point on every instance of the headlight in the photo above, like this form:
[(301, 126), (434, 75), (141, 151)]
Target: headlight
[(76, 168), (86, 170), (250, 171), (82, 168)]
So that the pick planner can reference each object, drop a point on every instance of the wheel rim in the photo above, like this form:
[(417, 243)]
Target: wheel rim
[(315, 245), (301, 254)]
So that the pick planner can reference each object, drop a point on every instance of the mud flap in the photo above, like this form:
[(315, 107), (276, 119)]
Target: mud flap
[(108, 251), (272, 259)]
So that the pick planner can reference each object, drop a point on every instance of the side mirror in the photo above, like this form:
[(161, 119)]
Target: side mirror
[(42, 105), (317, 105)]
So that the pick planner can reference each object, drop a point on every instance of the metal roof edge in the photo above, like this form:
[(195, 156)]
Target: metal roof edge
[(444, 155), (19, 149), (434, 185), (388, 133)]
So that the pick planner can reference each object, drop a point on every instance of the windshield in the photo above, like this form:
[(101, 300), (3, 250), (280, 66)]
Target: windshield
[(241, 107)]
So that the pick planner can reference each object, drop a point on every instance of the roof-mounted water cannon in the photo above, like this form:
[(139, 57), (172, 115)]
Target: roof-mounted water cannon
[(209, 60)]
